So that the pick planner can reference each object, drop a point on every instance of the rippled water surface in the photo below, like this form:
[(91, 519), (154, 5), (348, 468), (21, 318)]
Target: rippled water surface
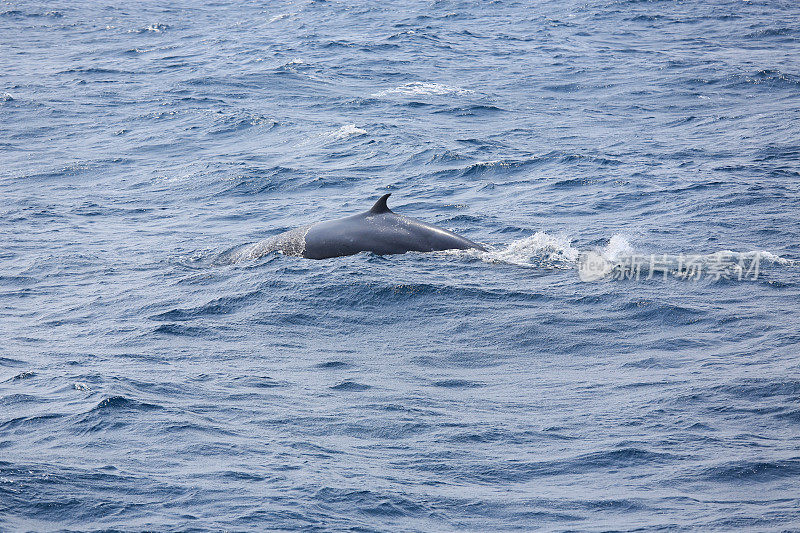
[(146, 384)]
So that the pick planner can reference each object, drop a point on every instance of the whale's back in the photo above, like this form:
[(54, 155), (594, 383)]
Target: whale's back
[(379, 230)]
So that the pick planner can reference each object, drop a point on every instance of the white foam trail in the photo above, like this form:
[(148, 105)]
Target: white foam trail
[(617, 260), (419, 88), (540, 249)]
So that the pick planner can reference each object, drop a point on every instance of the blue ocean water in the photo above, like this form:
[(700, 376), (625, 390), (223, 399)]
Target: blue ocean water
[(145, 384)]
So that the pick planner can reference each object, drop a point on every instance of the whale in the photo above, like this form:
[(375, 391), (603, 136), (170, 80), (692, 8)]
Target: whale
[(380, 231)]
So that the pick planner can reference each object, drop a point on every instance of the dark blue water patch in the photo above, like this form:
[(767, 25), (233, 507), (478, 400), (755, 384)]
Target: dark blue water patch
[(14, 399), (471, 435), (10, 361), (788, 152), (369, 502), (15, 13), (23, 375), (751, 522), (646, 18), (227, 124), (36, 491), (499, 167), (252, 181), (219, 306), (29, 423), (474, 110), (761, 389), (258, 382), (773, 32), (663, 313), (204, 430), (652, 362), (92, 209), (389, 433), (181, 330), (431, 157), (586, 158), (790, 416), (121, 403), (660, 384), (457, 384), (575, 183), (242, 476), (351, 386), (96, 70), (749, 471), (463, 219), (524, 471), (332, 365), (770, 79)]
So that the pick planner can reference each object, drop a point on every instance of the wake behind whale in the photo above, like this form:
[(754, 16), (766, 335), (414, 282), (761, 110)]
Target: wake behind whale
[(383, 232)]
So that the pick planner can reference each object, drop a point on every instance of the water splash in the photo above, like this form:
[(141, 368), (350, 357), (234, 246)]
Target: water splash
[(418, 88), (292, 243), (346, 131), (538, 250)]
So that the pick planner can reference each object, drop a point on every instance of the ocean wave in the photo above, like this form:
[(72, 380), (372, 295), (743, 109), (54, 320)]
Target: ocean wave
[(346, 131), (351, 386), (117, 403), (280, 16), (419, 88), (217, 306), (156, 27), (753, 471)]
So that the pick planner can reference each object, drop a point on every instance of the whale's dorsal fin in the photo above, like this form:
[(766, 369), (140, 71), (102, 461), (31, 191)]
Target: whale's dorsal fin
[(380, 206)]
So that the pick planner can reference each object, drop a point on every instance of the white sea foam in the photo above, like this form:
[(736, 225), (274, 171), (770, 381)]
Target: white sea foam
[(346, 131), (419, 88), (618, 246), (280, 16), (156, 27), (540, 249)]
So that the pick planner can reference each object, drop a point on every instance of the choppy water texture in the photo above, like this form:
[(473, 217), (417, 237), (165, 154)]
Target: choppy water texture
[(146, 383)]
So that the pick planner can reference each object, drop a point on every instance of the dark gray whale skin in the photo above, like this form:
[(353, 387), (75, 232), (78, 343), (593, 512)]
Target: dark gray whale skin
[(379, 230)]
